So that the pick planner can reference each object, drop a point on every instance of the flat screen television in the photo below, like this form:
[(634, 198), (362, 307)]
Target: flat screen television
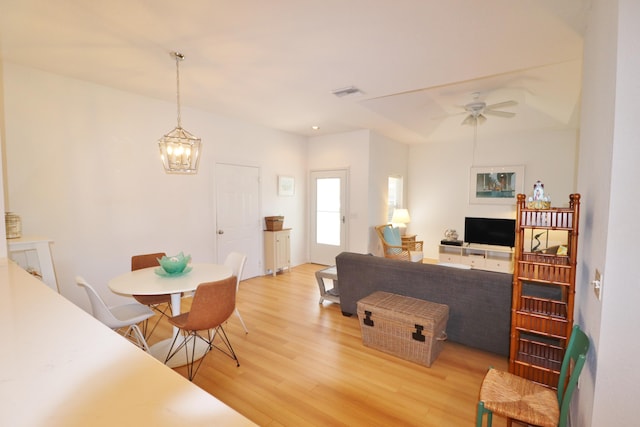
[(490, 231)]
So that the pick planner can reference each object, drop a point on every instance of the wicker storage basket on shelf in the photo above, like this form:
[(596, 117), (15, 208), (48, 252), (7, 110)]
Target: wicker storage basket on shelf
[(274, 223)]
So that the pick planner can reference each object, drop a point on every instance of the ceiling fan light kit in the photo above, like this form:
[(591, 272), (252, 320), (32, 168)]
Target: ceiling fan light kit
[(479, 109)]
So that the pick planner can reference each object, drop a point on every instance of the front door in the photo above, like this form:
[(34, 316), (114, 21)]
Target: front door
[(328, 215)]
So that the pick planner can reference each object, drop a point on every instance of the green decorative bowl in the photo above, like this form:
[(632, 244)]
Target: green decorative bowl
[(174, 264)]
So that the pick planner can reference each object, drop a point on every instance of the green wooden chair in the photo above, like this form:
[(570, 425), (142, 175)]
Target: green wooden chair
[(523, 400)]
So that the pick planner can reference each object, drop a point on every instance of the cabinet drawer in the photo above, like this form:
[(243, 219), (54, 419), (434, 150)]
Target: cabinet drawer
[(474, 261), (450, 258), (498, 265)]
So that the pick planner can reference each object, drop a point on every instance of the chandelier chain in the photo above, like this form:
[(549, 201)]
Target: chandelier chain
[(179, 57)]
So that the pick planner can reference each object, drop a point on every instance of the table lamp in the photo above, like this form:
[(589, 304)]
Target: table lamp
[(400, 219)]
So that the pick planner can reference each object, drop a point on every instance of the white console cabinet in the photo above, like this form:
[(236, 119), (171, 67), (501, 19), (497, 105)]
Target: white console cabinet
[(482, 257), (33, 254), (277, 250)]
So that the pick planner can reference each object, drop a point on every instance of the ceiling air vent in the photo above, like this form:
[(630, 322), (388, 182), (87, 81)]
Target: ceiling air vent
[(347, 91)]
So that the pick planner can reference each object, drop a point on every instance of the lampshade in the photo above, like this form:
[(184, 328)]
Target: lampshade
[(400, 216), (179, 149)]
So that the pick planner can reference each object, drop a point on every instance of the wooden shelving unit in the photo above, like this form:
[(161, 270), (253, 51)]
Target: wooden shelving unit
[(543, 290)]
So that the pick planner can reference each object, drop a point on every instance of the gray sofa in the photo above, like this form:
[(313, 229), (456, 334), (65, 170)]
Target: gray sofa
[(479, 301)]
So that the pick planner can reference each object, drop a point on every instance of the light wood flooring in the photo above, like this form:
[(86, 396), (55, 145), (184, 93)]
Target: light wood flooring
[(303, 364)]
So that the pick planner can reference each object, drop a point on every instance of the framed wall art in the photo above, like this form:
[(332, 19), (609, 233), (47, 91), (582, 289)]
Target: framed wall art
[(497, 185), (286, 185)]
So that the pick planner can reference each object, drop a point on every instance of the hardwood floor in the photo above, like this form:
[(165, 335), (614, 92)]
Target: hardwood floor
[(303, 364)]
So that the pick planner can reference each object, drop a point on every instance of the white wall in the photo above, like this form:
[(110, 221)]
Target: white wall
[(3, 231), (370, 159), (439, 178), (609, 154), (594, 183), (387, 158), (83, 169)]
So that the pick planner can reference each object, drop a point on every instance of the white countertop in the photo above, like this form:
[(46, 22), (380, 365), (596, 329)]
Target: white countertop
[(61, 367)]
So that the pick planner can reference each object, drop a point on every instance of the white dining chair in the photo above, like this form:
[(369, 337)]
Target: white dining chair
[(120, 316), (236, 262)]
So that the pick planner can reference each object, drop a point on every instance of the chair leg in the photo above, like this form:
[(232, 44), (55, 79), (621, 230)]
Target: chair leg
[(171, 351), (481, 411), (162, 312), (191, 361), (134, 335), (140, 338), (190, 366), (193, 337), (227, 343), (144, 327), (187, 337), (246, 331)]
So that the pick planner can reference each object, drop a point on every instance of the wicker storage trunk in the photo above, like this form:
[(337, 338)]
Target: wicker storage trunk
[(410, 328)]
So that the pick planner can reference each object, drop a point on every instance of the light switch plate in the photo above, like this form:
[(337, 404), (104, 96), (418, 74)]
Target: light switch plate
[(597, 284)]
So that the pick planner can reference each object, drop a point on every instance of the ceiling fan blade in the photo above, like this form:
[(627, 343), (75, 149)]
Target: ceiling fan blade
[(469, 120), (504, 104), (507, 114), (445, 116)]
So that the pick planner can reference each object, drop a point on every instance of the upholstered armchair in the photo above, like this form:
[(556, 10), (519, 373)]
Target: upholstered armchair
[(393, 247)]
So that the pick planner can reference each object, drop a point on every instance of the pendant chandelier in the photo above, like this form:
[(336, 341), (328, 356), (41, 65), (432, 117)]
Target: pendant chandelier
[(179, 150)]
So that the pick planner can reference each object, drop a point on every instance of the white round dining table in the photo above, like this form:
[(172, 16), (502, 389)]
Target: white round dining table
[(147, 282)]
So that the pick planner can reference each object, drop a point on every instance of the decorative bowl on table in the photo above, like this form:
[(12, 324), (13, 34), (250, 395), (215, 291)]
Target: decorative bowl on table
[(174, 265)]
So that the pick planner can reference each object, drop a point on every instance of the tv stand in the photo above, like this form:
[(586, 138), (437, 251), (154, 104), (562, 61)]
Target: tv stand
[(482, 257)]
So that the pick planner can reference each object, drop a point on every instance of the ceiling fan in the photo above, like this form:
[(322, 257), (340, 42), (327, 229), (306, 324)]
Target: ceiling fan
[(478, 110)]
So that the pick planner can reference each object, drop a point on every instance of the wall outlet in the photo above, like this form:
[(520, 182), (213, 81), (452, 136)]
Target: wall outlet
[(597, 284)]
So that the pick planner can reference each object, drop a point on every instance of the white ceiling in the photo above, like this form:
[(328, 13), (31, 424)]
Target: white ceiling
[(276, 62)]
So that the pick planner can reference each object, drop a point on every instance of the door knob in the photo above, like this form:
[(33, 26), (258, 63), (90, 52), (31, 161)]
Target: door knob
[(220, 231)]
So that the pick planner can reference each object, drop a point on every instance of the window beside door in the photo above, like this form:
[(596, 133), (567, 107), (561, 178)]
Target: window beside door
[(394, 195)]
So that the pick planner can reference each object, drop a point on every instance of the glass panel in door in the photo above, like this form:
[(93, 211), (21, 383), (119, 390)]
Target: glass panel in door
[(328, 216)]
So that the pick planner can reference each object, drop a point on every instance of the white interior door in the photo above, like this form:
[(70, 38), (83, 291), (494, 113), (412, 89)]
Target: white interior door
[(328, 215), (238, 226)]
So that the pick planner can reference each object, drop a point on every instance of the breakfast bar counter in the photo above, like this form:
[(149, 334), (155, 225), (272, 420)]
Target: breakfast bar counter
[(61, 367)]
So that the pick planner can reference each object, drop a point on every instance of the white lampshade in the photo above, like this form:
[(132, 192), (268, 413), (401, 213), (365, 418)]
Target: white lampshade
[(400, 216)]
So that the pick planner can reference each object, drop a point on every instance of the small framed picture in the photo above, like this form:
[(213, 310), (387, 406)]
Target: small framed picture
[(496, 185), (286, 185)]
